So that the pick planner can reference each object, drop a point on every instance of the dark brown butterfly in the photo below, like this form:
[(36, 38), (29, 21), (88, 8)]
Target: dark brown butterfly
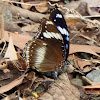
[(49, 49)]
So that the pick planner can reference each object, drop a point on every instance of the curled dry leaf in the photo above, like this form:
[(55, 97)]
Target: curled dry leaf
[(20, 63), (42, 7), (79, 63), (24, 88), (27, 7)]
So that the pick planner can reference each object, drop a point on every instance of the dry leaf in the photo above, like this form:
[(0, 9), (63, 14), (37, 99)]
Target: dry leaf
[(84, 48), (20, 63), (30, 28), (11, 85), (18, 39), (61, 90), (92, 89), (72, 21), (94, 11), (11, 53), (79, 62), (42, 7), (83, 63), (28, 7)]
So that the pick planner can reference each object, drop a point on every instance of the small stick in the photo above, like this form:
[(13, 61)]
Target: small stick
[(87, 80), (24, 3), (2, 21)]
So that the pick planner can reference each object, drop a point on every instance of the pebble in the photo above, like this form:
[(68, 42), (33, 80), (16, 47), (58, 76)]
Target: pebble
[(94, 75)]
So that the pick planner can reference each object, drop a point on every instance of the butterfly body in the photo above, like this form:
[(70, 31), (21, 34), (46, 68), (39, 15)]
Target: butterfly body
[(46, 51)]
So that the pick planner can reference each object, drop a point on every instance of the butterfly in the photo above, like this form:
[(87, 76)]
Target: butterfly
[(49, 49)]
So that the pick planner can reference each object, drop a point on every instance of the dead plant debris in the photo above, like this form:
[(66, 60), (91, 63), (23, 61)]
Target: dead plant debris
[(19, 24)]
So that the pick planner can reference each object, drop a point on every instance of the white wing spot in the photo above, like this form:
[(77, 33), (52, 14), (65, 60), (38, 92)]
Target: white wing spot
[(60, 29), (67, 38), (63, 31), (55, 35), (52, 35), (58, 16), (54, 20), (44, 44), (46, 35), (45, 26), (66, 46), (41, 37), (59, 36), (49, 22)]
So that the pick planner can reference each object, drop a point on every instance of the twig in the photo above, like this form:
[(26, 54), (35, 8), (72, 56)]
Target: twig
[(36, 17), (2, 20), (92, 16), (2, 26), (3, 47), (89, 39), (24, 3), (74, 36), (87, 80)]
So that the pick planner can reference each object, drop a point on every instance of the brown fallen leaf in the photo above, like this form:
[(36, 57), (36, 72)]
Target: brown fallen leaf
[(36, 17), (79, 63), (11, 53), (83, 63), (30, 28), (61, 89), (83, 9), (94, 11), (18, 39), (42, 7), (20, 63), (27, 82), (11, 85), (28, 7), (92, 89), (84, 48)]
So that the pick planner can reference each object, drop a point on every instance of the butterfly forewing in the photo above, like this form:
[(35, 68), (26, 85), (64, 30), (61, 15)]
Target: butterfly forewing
[(57, 17)]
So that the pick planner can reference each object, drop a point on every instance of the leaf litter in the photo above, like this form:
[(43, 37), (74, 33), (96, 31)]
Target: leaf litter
[(84, 54)]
